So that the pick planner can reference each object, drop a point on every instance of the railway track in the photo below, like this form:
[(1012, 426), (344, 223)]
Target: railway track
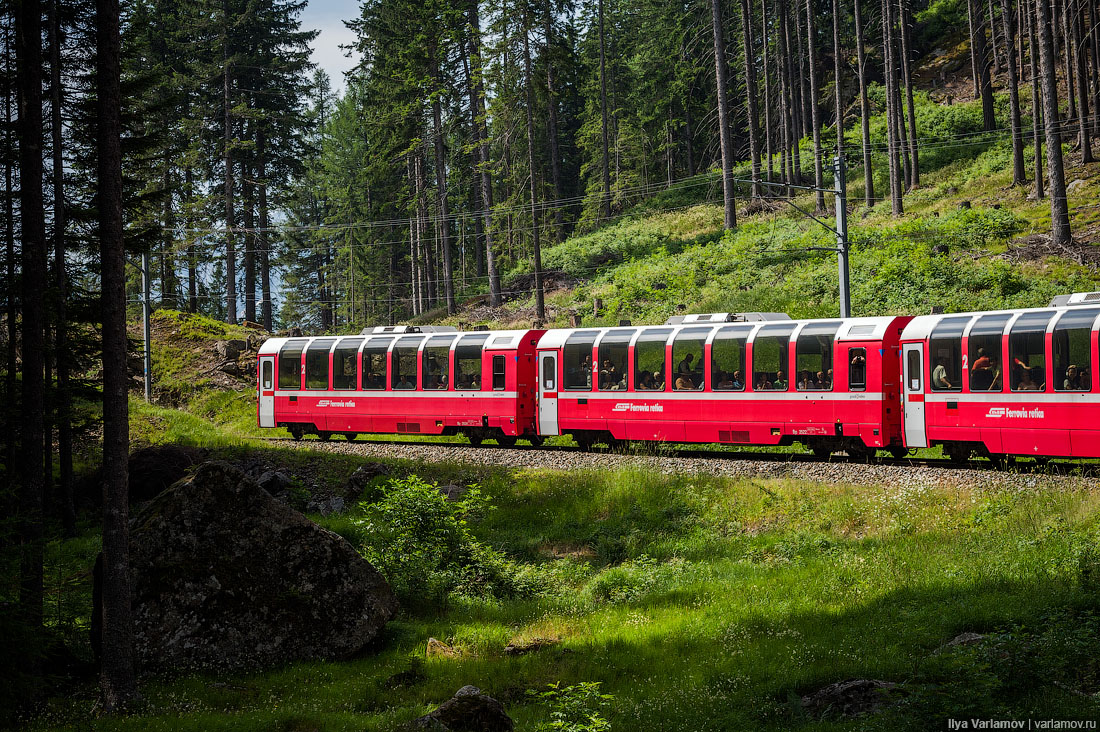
[(885, 471)]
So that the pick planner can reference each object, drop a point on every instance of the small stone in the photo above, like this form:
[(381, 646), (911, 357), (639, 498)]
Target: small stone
[(850, 698), (469, 710), (439, 648)]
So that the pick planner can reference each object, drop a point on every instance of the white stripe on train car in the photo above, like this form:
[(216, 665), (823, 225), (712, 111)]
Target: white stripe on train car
[(1058, 397), (441, 394), (799, 396)]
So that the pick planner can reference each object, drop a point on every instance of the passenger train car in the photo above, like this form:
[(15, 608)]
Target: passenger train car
[(996, 384)]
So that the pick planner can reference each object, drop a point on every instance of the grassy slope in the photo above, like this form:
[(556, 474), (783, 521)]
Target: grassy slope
[(708, 604)]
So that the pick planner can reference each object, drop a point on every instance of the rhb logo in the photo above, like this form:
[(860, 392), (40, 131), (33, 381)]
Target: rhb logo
[(628, 407), (331, 403), (1007, 413)]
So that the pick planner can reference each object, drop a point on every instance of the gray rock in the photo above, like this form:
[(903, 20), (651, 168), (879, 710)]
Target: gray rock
[(230, 367), (850, 698), (226, 577), (230, 349), (962, 639), (274, 482), (325, 506), (453, 492), (154, 469), (469, 710), (358, 481)]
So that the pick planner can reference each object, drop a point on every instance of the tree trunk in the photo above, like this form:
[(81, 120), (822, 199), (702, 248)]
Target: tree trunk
[(117, 678), (723, 115), (227, 162), (12, 401), (793, 100), (477, 108), (839, 100), (264, 238), (768, 147), (1059, 211), (441, 190), (914, 163), (981, 58), (1019, 177), (804, 95), (28, 32), (192, 253), (750, 95), (815, 106), (864, 111), (605, 170), (248, 200), (552, 125), (1036, 98), (1061, 25), (536, 255), (63, 398), (997, 65), (1081, 58), (892, 113), (973, 50)]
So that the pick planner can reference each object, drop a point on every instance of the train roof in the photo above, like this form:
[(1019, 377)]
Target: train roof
[(847, 329), (494, 338), (920, 327)]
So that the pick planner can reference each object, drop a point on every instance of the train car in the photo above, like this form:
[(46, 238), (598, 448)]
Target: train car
[(401, 380), (738, 379), (1005, 383)]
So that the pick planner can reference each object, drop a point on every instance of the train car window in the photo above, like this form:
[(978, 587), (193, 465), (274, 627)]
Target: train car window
[(612, 354), (266, 375), (912, 370), (403, 363), (1027, 352), (649, 359), (770, 359), (687, 357), (317, 363), (498, 373), (374, 363), (727, 359), (857, 369), (468, 362), (436, 363), (813, 356), (549, 377), (290, 364), (1073, 350), (945, 354), (343, 363), (984, 352), (577, 356)]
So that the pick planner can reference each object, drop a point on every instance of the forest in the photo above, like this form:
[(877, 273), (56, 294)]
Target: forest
[(469, 139)]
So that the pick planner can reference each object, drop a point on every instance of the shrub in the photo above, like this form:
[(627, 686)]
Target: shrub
[(422, 544), (574, 708)]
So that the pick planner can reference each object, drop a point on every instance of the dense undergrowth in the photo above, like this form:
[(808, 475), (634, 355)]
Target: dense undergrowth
[(696, 602)]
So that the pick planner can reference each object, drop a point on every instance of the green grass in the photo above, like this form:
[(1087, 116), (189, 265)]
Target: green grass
[(703, 603)]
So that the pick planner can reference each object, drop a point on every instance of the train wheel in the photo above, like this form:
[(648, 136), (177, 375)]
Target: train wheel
[(474, 438), (324, 436), (860, 452), (535, 440), (350, 436), (822, 453), (506, 441), (295, 432), (584, 441), (897, 452)]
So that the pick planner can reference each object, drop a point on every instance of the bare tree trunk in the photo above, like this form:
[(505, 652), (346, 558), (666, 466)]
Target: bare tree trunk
[(973, 49), (1036, 98), (1081, 57), (1094, 64), (536, 255), (770, 152), (837, 85), (11, 405), (815, 106), (723, 115), (192, 253), (477, 108), (264, 238), (794, 102), (227, 162), (117, 678), (1059, 211), (1061, 25), (914, 163), (441, 190), (997, 65), (750, 95), (893, 115), (1019, 177), (864, 111), (552, 124), (61, 284), (605, 170), (981, 58), (248, 200), (28, 34), (804, 95)]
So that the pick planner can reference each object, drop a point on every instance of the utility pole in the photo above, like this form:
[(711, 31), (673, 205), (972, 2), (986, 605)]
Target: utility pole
[(841, 197), (146, 311)]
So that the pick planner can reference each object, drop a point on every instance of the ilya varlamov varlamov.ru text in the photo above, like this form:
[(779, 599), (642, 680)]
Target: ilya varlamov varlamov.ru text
[(955, 724)]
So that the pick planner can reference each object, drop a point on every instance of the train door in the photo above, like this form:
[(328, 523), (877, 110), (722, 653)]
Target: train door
[(267, 391), (548, 393), (915, 434)]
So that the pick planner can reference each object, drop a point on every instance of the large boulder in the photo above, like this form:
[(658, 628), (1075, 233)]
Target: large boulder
[(225, 576), (153, 469), (469, 710)]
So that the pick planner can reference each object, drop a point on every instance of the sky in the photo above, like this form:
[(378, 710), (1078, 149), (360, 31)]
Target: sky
[(328, 17)]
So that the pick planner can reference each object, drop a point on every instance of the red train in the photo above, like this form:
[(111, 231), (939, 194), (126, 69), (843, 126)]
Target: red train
[(1020, 382)]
